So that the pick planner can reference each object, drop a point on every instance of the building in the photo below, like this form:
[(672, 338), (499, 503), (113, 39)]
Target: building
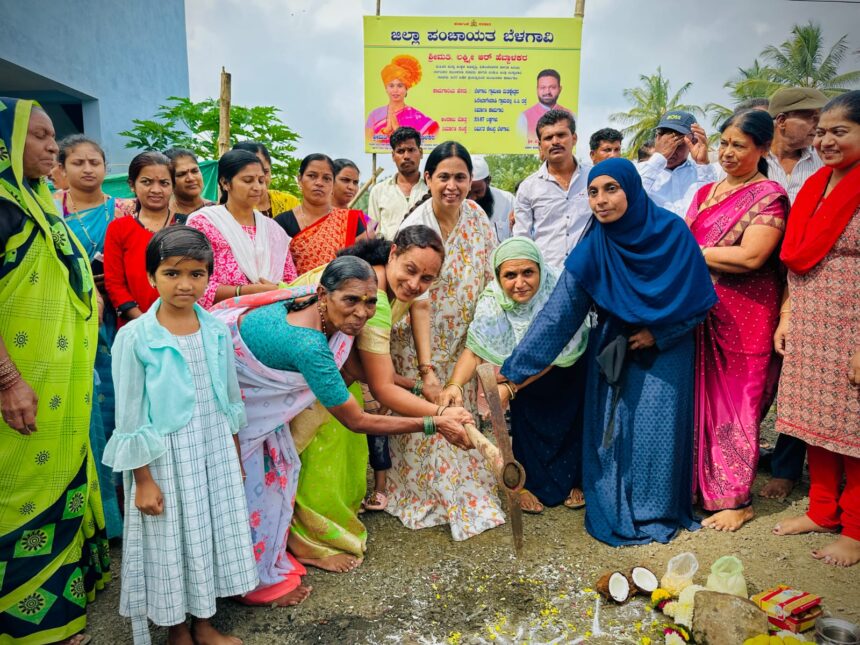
[(95, 65)]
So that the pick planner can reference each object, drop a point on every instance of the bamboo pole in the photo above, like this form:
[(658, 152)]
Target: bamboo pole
[(364, 187), (579, 11), (224, 114), (374, 171)]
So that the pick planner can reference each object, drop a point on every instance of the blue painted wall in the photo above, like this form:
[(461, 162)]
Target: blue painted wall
[(117, 59)]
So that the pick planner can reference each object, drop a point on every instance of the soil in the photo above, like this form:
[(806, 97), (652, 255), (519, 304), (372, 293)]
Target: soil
[(422, 587)]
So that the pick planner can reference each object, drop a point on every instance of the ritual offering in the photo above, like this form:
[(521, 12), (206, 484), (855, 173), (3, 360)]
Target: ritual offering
[(727, 576), (788, 608), (615, 586), (644, 580), (679, 573)]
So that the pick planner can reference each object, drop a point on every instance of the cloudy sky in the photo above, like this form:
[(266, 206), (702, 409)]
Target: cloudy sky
[(305, 56)]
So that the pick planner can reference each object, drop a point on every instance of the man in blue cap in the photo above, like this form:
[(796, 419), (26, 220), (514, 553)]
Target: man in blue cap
[(679, 165)]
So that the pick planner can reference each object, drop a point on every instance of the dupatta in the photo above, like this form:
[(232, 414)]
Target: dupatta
[(319, 243)]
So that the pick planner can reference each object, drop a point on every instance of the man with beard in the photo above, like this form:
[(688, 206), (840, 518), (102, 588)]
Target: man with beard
[(548, 91), (392, 198), (551, 206), (679, 165), (498, 204)]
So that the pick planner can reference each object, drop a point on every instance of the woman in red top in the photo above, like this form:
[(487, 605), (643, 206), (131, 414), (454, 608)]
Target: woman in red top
[(151, 179)]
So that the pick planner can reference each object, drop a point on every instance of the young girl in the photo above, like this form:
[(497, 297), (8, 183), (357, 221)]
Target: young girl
[(186, 539)]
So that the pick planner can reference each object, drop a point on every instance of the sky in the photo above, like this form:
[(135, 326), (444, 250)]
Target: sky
[(305, 56)]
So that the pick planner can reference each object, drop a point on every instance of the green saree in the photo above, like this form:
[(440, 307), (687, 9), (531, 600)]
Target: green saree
[(53, 552)]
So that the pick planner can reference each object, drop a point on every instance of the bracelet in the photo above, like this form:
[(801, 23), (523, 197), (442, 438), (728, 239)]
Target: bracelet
[(425, 368), (442, 409), (429, 426), (9, 374), (238, 290), (511, 389), (457, 385), (784, 311), (418, 388)]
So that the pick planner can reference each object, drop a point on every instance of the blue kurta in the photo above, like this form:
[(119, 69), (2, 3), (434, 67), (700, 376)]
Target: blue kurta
[(639, 488)]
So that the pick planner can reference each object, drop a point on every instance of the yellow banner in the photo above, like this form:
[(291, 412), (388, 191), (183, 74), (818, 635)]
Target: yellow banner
[(481, 81)]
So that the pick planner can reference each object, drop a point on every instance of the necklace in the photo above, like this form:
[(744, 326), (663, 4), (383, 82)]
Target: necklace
[(322, 318), (730, 186), (71, 211), (166, 220)]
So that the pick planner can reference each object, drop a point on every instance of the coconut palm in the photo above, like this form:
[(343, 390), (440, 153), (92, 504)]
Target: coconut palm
[(650, 101)]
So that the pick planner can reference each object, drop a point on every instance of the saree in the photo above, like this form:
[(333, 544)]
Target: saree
[(53, 550), (273, 399), (736, 367), (408, 117), (318, 243)]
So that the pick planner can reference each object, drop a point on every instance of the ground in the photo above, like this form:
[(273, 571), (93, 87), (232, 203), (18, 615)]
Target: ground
[(422, 587)]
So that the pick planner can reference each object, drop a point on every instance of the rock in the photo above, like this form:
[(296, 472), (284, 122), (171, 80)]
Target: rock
[(724, 619)]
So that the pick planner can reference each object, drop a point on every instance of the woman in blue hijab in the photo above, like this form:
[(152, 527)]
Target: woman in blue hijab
[(641, 269)]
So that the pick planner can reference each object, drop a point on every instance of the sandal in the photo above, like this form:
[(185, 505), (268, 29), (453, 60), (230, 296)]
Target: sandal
[(528, 495), (375, 501), (569, 503)]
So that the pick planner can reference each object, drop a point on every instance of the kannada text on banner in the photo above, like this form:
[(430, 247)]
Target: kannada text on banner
[(475, 80)]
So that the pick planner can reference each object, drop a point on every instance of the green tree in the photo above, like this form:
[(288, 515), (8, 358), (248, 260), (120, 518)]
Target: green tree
[(507, 171), (650, 101), (194, 125)]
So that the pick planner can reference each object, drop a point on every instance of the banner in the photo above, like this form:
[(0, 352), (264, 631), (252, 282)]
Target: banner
[(117, 185), (481, 81)]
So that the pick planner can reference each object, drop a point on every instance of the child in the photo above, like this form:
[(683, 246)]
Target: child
[(187, 539)]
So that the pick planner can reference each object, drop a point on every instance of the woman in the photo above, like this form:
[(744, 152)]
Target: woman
[(272, 201), (401, 74), (546, 421), (319, 231), (188, 184), (819, 333), (290, 349), (430, 484), (327, 532), (88, 211), (346, 177), (151, 180), (252, 253), (54, 549), (738, 222), (640, 266)]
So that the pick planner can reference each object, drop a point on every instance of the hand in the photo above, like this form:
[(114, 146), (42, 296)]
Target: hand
[(667, 143), (854, 369), (101, 304), (148, 499), (432, 387), (699, 150), (450, 396), (453, 431), (459, 414), (504, 394), (642, 339), (19, 405), (781, 333)]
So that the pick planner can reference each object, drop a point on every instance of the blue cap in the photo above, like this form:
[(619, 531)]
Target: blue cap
[(677, 120)]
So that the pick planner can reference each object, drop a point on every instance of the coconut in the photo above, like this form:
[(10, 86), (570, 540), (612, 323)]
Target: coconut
[(644, 580), (614, 586)]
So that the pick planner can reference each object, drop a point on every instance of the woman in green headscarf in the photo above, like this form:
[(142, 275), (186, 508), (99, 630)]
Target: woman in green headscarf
[(53, 551), (546, 418)]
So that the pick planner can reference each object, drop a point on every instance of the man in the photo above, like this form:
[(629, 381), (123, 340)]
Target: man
[(605, 144), (790, 162), (498, 204), (392, 198), (645, 152), (551, 206), (679, 165), (548, 91)]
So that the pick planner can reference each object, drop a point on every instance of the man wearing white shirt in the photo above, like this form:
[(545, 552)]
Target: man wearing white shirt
[(498, 204), (679, 165), (551, 206)]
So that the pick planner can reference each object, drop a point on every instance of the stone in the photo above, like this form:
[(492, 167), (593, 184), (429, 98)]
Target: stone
[(724, 619)]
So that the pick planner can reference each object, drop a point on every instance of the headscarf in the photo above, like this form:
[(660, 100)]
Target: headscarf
[(405, 67), (808, 239), (34, 198), (500, 322), (646, 267)]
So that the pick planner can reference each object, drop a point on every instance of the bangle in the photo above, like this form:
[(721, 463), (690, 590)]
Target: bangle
[(9, 374), (511, 389), (238, 290), (457, 385), (418, 388), (425, 368), (441, 410), (784, 311), (429, 426)]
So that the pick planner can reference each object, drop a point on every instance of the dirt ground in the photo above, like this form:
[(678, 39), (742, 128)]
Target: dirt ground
[(422, 587)]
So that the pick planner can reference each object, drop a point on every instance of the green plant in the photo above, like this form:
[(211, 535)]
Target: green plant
[(184, 123), (507, 171)]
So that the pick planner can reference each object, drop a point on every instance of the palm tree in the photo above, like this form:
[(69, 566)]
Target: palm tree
[(799, 62), (650, 101), (745, 85)]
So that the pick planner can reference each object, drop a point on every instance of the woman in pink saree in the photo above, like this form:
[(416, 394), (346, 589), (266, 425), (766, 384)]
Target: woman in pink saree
[(402, 73), (739, 223)]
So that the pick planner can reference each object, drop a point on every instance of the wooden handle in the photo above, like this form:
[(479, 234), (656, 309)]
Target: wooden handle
[(511, 475)]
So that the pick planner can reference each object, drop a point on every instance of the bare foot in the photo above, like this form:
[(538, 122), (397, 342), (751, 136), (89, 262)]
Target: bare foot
[(296, 596), (529, 503), (340, 563), (730, 519), (77, 639), (799, 524), (842, 552), (205, 634), (576, 499), (777, 488), (179, 635)]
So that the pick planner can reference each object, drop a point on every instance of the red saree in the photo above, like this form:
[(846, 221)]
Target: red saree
[(736, 368), (319, 243)]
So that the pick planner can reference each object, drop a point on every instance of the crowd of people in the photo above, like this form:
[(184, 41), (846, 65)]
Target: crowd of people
[(210, 382)]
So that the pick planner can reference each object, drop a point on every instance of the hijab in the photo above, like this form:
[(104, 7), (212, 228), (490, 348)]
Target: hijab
[(644, 268), (500, 322)]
